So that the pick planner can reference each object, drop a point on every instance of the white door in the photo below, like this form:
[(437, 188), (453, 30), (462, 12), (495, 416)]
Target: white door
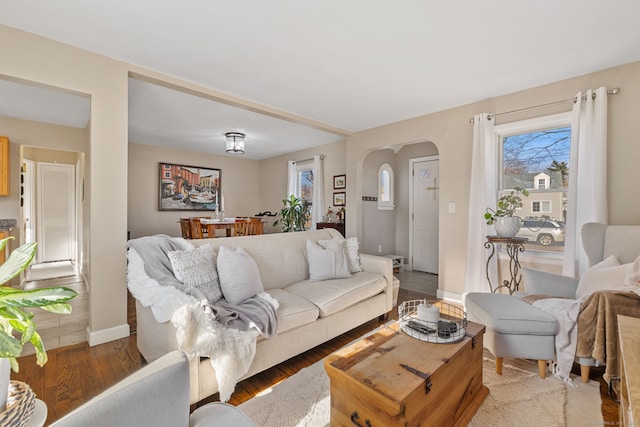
[(29, 200), (56, 212), (426, 185)]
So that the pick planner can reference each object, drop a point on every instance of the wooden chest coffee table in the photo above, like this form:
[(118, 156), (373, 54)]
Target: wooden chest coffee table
[(370, 387)]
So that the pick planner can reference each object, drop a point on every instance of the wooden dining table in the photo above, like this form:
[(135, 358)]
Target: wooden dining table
[(222, 224)]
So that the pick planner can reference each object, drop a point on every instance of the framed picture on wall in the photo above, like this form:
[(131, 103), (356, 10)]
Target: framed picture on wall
[(339, 182), (339, 199), (189, 188)]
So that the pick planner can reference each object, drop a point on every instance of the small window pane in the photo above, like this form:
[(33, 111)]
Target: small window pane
[(384, 186)]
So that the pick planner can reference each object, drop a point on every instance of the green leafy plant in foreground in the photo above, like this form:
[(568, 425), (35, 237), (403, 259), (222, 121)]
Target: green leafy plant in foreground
[(16, 325)]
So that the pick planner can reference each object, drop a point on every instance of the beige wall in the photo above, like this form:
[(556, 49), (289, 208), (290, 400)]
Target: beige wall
[(31, 58), (240, 186), (452, 134), (378, 226), (273, 176)]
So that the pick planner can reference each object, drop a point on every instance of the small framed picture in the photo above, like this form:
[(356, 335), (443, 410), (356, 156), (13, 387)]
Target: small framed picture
[(339, 182), (339, 199)]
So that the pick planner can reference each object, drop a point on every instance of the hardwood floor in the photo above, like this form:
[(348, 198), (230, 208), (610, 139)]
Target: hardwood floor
[(74, 374)]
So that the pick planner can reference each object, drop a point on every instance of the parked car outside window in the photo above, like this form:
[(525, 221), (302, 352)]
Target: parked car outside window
[(544, 232)]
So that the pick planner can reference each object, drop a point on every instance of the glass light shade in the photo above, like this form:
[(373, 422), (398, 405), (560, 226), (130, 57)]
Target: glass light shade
[(235, 142)]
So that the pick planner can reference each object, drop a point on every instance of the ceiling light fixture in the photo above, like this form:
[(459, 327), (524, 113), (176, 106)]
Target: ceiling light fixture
[(235, 142)]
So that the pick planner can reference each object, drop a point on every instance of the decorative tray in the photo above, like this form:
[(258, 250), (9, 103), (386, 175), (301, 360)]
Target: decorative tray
[(447, 326)]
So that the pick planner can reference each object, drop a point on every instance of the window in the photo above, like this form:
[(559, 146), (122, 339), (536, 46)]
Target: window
[(534, 154), (541, 206), (304, 183), (385, 187)]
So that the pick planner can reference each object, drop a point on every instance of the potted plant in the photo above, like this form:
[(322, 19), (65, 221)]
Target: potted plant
[(16, 325), (502, 218), (294, 214)]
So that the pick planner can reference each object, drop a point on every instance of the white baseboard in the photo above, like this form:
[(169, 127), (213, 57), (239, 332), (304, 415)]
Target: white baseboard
[(106, 335), (453, 297)]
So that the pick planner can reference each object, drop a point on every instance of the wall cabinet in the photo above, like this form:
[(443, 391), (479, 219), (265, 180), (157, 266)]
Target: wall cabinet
[(4, 166)]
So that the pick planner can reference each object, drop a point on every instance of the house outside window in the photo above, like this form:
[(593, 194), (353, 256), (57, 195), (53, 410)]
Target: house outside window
[(534, 154)]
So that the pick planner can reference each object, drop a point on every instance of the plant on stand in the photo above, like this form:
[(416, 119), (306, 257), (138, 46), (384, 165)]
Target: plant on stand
[(16, 325), (502, 218), (294, 215)]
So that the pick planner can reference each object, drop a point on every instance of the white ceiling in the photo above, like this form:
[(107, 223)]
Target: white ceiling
[(350, 65)]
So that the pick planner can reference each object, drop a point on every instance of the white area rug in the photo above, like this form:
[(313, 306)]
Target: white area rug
[(517, 398)]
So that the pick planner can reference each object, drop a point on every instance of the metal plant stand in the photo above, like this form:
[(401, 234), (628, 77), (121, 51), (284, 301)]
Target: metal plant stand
[(513, 246)]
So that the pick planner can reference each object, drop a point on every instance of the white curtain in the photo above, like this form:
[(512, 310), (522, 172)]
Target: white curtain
[(318, 191), (292, 179), (587, 195), (483, 189)]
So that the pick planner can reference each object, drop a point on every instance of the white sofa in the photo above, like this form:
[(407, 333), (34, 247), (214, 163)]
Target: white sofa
[(309, 313)]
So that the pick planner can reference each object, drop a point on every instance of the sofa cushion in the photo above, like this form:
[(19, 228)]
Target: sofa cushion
[(331, 296), (327, 263), (239, 275), (506, 314), (293, 311), (196, 269)]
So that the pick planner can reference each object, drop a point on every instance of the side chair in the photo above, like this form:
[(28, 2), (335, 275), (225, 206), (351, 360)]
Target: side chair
[(157, 395), (185, 227), (247, 227), (196, 228)]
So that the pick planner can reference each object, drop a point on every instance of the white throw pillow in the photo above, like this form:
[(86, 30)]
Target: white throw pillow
[(605, 275), (239, 275), (351, 248), (327, 263), (632, 279), (196, 269), (610, 261)]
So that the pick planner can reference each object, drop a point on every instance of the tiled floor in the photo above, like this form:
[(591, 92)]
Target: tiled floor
[(418, 281), (58, 330)]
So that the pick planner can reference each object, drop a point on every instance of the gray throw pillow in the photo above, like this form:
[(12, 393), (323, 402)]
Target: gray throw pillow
[(196, 270)]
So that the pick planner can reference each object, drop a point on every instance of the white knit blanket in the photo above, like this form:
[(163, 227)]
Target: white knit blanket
[(566, 313), (230, 351)]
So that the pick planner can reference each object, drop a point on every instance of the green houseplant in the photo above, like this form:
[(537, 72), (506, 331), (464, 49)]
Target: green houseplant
[(502, 218), (16, 325), (294, 214)]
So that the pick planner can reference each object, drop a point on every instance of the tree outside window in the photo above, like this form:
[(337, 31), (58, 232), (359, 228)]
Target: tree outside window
[(535, 156)]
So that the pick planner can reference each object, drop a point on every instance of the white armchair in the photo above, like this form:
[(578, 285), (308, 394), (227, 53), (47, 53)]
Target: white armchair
[(155, 396), (599, 241)]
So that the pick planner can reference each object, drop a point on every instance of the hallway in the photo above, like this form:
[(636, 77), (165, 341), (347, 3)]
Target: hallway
[(59, 330)]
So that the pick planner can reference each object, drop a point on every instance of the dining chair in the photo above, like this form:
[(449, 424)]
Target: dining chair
[(246, 227), (196, 228), (259, 225), (185, 226)]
